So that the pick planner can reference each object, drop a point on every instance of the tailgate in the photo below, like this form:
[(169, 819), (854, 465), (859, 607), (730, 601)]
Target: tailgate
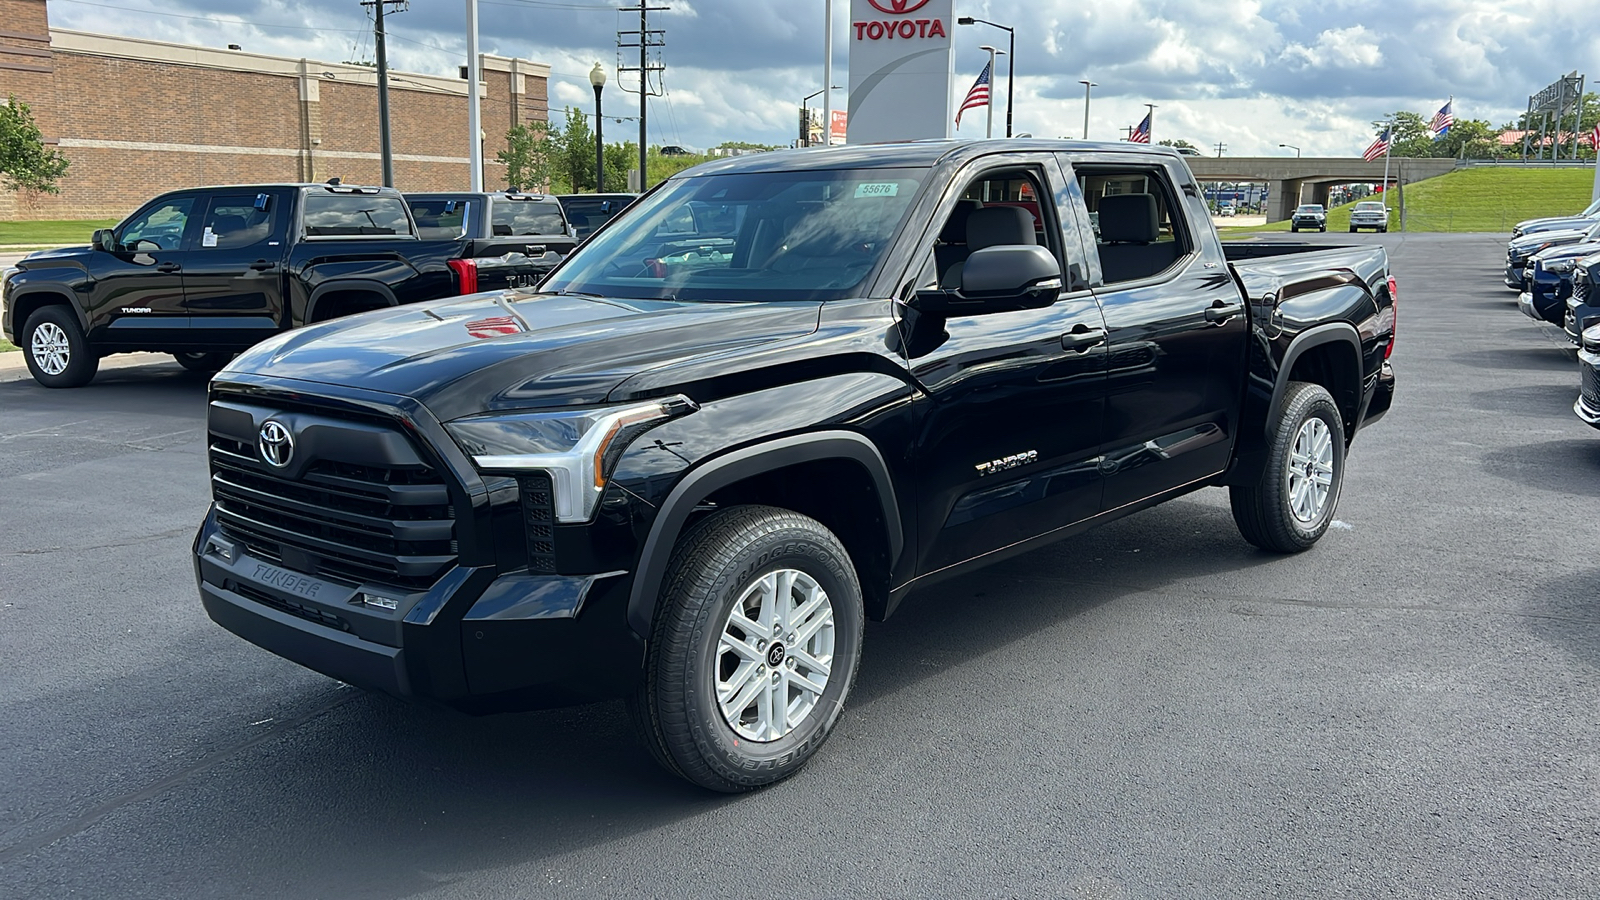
[(520, 262)]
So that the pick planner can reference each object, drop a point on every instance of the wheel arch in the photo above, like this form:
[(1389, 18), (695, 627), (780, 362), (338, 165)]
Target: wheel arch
[(1329, 355), (346, 286), (771, 472), (25, 303)]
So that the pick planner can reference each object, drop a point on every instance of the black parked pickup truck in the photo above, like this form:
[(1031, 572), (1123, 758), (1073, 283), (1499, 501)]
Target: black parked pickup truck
[(513, 238), (689, 468), (206, 272)]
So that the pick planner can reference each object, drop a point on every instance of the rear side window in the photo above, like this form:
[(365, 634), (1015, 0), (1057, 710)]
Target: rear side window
[(519, 217), (238, 220), (440, 219), (1137, 234), (355, 215)]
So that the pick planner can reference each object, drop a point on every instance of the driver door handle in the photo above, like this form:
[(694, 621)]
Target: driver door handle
[(262, 265), (1221, 312), (1082, 337), (168, 267)]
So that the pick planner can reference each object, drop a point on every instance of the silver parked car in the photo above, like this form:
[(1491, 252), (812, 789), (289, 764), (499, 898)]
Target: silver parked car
[(1369, 214)]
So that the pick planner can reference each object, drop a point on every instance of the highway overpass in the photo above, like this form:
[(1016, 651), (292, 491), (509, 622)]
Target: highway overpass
[(1292, 181)]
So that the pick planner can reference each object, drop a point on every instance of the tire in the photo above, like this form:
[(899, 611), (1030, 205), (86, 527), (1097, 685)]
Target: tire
[(204, 363), (1352, 229), (1267, 513), (1295, 228), (57, 353), (724, 563), (1323, 229), (1383, 230)]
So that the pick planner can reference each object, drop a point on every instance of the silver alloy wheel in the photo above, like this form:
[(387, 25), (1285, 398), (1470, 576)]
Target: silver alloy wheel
[(50, 349), (775, 655), (1310, 470)]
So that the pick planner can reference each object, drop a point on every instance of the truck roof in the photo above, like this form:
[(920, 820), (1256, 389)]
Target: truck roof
[(909, 154)]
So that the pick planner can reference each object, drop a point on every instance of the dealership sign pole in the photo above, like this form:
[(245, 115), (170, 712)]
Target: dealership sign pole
[(901, 70)]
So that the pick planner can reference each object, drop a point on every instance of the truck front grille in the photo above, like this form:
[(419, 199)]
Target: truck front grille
[(1591, 387), (353, 523)]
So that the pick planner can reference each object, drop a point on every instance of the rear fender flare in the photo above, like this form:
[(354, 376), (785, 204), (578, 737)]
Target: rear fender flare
[(704, 480), (350, 284), (1331, 333)]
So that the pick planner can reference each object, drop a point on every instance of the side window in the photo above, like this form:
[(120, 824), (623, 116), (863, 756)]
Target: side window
[(997, 208), (514, 218), (354, 215), (158, 228), (239, 220), (1137, 235), (440, 219)]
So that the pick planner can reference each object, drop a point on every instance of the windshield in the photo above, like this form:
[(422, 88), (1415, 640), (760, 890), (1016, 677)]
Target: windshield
[(1310, 208), (1371, 207), (747, 236)]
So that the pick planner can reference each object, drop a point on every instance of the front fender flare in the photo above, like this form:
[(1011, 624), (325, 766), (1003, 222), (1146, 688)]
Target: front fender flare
[(719, 472)]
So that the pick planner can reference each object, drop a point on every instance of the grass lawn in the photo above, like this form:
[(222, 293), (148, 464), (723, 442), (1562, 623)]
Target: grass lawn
[(50, 233), (6, 345), (1478, 199)]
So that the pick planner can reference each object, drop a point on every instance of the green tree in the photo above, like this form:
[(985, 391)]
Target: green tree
[(1411, 135), (25, 163), (1180, 142), (620, 160), (1468, 139), (527, 156), (573, 157)]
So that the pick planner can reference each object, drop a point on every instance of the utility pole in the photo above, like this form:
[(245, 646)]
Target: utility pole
[(474, 104), (1221, 148), (827, 78), (385, 150), (647, 39)]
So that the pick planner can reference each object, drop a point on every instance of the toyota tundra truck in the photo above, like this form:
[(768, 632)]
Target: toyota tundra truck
[(688, 468)]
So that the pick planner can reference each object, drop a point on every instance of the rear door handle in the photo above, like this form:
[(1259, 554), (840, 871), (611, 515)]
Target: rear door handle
[(1082, 337), (1221, 312), (168, 267)]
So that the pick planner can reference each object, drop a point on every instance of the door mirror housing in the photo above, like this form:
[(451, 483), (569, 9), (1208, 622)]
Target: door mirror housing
[(999, 279), (104, 239)]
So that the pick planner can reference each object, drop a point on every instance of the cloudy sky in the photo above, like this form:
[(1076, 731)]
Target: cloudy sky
[(1248, 73)]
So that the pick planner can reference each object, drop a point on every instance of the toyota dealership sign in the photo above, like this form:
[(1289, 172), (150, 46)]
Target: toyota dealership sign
[(901, 69)]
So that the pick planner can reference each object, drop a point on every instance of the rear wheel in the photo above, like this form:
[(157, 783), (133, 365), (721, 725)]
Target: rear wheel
[(754, 649), (1289, 508), (1352, 229), (57, 353), (1295, 228), (204, 363)]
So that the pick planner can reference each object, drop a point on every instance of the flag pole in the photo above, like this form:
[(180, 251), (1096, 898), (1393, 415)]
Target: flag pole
[(1388, 147)]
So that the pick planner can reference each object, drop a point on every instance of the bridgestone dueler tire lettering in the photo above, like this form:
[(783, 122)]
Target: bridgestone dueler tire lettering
[(675, 708), (1262, 510)]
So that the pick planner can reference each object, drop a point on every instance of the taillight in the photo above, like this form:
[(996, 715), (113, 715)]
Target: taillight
[(1394, 316), (467, 275)]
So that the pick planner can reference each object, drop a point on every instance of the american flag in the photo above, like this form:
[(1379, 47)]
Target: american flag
[(978, 96), (1594, 138), (1442, 120), (1379, 147), (1141, 135)]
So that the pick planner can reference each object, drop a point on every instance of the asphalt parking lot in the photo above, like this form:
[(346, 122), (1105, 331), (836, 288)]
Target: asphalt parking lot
[(1152, 710)]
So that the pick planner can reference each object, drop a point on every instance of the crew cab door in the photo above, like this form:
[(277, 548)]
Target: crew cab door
[(1177, 342), (1010, 427), (233, 278), (137, 298)]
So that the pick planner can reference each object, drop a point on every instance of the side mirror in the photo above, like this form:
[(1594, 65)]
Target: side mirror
[(999, 279), (104, 239)]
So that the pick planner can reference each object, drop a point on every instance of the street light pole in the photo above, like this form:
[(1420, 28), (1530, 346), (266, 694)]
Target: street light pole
[(1292, 147), (1087, 84), (474, 113), (827, 76), (597, 78), (1011, 64), (805, 116)]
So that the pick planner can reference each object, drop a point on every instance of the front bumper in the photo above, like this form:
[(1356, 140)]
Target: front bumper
[(1580, 314), (1587, 406), (1515, 279)]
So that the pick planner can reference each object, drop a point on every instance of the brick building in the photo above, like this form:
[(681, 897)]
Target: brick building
[(137, 117)]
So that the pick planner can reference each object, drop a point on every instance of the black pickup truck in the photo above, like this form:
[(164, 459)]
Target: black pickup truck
[(205, 272), (688, 468), (513, 238)]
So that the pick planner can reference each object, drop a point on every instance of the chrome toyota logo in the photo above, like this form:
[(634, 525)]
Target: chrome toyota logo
[(898, 7), (277, 443)]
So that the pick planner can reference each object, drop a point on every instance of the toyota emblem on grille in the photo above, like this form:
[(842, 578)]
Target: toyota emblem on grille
[(277, 443)]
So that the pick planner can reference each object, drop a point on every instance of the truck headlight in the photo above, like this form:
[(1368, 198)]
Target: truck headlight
[(1560, 266), (577, 448)]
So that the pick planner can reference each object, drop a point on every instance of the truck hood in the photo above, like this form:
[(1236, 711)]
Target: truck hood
[(59, 253), (517, 349), (1554, 223), (1564, 251), (1531, 242)]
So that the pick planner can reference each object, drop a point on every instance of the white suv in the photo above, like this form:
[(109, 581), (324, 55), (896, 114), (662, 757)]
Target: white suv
[(1369, 214)]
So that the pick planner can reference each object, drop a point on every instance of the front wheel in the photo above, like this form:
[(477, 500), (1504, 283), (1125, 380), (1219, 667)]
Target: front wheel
[(1289, 508), (1352, 229), (754, 649), (204, 363), (57, 352), (1294, 228)]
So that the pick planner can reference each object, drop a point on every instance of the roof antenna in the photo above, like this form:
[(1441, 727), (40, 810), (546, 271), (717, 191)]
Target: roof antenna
[(334, 181)]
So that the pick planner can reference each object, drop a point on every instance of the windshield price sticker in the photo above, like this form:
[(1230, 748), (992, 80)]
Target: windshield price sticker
[(878, 189)]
